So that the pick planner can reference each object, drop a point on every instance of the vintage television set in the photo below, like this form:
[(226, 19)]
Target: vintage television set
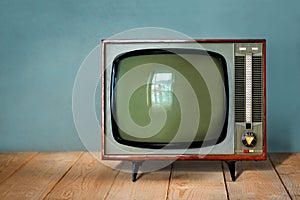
[(184, 99)]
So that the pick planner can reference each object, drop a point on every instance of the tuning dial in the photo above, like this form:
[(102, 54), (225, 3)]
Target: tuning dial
[(249, 139)]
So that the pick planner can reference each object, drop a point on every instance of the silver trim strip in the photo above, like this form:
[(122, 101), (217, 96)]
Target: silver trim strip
[(249, 88)]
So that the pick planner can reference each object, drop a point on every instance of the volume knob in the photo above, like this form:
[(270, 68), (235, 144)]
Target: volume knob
[(249, 139)]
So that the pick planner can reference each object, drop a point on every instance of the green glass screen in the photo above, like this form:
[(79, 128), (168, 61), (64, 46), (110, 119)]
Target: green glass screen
[(168, 98)]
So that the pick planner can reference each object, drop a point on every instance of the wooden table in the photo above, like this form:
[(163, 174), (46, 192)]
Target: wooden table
[(78, 175)]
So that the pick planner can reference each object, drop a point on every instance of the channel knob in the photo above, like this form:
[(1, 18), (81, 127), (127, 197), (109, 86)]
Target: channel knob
[(249, 139)]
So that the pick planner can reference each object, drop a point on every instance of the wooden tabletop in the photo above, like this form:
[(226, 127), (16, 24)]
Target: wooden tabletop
[(78, 175)]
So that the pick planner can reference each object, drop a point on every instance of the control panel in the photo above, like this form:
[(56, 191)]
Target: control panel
[(249, 108)]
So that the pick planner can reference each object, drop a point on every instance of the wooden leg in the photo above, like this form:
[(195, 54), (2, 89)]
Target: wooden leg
[(135, 169), (231, 166)]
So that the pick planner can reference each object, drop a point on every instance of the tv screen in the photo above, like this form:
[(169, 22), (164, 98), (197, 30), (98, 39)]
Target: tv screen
[(173, 97)]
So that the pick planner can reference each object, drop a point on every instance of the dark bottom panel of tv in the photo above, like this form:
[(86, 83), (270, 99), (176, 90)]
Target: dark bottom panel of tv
[(136, 165)]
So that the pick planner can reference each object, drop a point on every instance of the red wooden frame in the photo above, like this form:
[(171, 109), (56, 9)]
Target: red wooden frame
[(228, 157)]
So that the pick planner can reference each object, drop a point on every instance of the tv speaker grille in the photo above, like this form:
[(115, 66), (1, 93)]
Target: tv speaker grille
[(240, 88), (257, 89)]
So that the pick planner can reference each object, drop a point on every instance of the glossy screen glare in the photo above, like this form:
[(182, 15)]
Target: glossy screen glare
[(163, 95)]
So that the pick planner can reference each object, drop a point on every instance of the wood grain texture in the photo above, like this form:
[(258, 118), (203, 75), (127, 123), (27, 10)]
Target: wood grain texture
[(184, 157), (255, 180), (80, 176), (288, 167), (88, 179), (150, 185), (35, 179), (10, 162), (197, 180)]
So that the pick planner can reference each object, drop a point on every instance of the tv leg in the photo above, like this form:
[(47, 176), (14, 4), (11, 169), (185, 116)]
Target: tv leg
[(135, 169), (231, 166)]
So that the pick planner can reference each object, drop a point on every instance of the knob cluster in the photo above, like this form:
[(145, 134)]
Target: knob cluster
[(249, 139)]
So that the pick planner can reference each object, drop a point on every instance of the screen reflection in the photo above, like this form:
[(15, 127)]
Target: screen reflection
[(161, 89)]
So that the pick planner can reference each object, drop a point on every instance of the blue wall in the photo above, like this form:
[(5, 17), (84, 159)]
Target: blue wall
[(43, 43)]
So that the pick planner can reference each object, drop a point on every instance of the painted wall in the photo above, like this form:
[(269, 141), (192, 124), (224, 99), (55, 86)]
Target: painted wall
[(43, 43)]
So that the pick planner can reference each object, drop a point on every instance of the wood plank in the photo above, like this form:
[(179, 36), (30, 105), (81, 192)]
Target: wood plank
[(255, 180), (12, 161), (35, 179), (150, 185), (88, 179), (288, 168), (197, 180)]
